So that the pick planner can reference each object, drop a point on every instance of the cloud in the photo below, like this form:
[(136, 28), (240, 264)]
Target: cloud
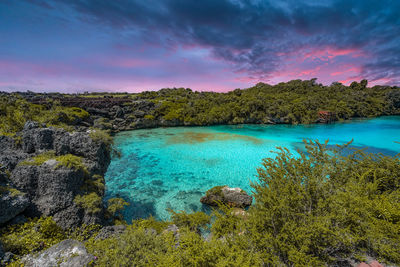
[(256, 40), (251, 34)]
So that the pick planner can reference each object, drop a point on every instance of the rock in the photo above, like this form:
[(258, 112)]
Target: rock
[(12, 203), (172, 228), (7, 258), (1, 252), (19, 219), (69, 253), (50, 189), (110, 231), (234, 197), (175, 231), (371, 264)]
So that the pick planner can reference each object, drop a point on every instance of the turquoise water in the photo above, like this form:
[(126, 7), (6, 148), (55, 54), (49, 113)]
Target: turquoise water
[(172, 167)]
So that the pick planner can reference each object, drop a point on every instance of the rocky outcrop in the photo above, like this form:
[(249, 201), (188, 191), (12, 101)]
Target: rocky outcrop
[(1, 252), (49, 187), (234, 197), (12, 203), (110, 231), (69, 253)]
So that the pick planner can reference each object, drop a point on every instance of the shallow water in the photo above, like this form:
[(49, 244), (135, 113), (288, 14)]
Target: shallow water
[(172, 167)]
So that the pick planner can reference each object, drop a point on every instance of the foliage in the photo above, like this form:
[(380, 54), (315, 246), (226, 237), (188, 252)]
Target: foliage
[(70, 161), (91, 202), (94, 184), (101, 136), (13, 192), (216, 190), (193, 221), (39, 159), (35, 235), (318, 207), (15, 112), (293, 102), (115, 207)]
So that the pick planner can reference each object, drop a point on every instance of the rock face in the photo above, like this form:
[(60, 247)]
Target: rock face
[(110, 231), (234, 197), (11, 204), (1, 252), (50, 189), (69, 253)]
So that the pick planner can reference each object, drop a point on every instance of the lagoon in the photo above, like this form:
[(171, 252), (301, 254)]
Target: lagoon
[(172, 167)]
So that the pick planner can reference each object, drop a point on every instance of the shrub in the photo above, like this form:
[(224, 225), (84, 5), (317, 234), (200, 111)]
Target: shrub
[(91, 202), (193, 221), (32, 236), (115, 207)]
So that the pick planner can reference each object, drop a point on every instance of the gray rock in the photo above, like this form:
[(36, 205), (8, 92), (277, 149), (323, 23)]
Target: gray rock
[(69, 253), (1, 252), (7, 258), (110, 231), (50, 190), (11, 204), (19, 219), (234, 197)]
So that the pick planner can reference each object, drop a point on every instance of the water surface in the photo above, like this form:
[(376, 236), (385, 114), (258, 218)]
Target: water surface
[(172, 167)]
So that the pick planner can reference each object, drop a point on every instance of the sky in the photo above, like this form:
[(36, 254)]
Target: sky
[(208, 45)]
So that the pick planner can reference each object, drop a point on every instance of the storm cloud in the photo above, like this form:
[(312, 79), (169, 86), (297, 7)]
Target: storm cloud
[(146, 43)]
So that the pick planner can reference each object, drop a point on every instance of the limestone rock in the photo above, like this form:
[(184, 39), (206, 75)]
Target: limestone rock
[(110, 231), (234, 197), (69, 253), (11, 204)]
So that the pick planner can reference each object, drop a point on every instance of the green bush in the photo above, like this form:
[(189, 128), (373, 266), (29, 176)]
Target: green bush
[(91, 202), (35, 235)]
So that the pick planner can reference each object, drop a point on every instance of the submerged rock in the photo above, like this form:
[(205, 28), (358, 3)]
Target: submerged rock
[(234, 197), (69, 253)]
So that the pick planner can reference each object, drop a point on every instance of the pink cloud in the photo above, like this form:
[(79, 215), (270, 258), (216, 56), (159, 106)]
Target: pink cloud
[(352, 69)]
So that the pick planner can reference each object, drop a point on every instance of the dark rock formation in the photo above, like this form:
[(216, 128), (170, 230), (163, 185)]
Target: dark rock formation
[(69, 253), (11, 204), (234, 197), (1, 252), (110, 231), (50, 189)]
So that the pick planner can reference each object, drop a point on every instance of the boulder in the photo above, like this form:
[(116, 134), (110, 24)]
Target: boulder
[(12, 203), (69, 253), (110, 231), (234, 197)]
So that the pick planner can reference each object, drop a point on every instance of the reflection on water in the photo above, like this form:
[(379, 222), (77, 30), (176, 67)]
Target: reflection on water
[(172, 167)]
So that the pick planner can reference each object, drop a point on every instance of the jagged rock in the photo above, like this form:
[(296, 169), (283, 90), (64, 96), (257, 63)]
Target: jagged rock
[(110, 231), (51, 189), (69, 253), (12, 203), (234, 197), (19, 219), (1, 252), (7, 258)]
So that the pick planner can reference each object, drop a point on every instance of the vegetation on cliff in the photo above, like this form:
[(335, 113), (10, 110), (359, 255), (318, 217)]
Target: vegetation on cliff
[(292, 102), (316, 209)]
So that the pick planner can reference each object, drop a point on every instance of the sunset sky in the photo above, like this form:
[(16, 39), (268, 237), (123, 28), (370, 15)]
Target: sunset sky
[(217, 45)]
